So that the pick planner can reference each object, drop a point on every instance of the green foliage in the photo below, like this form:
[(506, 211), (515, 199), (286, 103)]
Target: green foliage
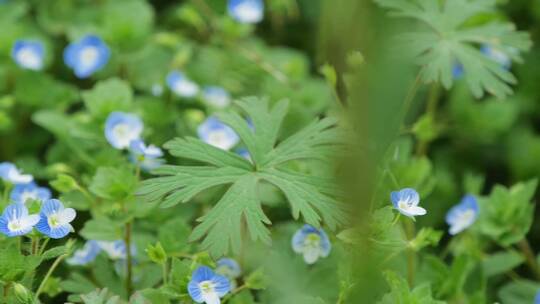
[(108, 96), (450, 37), (400, 292), (312, 197)]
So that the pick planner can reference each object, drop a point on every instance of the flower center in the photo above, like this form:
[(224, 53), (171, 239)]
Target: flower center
[(404, 205), (15, 225), (206, 287), (29, 58), (29, 195), (54, 221), (248, 11), (88, 55), (312, 240), (185, 87)]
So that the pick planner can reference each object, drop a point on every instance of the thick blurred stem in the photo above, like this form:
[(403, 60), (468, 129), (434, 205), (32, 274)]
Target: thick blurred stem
[(129, 282), (526, 249), (431, 109)]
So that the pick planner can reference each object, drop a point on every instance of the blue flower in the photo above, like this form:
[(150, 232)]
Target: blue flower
[(312, 243), (229, 268), (463, 215), (181, 85), (86, 55), (244, 153), (16, 221), (147, 157), (497, 55), (246, 11), (116, 250), (9, 173), (55, 219), (406, 202), (207, 287), (457, 70), (29, 54), (122, 128), (537, 298), (215, 133), (22, 193), (216, 96), (86, 254)]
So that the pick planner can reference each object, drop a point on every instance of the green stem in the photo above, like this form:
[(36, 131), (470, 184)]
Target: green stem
[(431, 109), (44, 246), (49, 273), (411, 255), (525, 248), (412, 93), (7, 190), (235, 291), (164, 268), (129, 282), (6, 291), (34, 245)]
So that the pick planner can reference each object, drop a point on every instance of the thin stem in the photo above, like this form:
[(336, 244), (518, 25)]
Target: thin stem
[(7, 285), (129, 283), (411, 255), (412, 93), (44, 246), (49, 273), (235, 291), (431, 109), (7, 190), (34, 245), (164, 268), (526, 249)]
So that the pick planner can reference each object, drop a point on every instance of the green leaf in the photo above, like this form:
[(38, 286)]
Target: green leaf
[(501, 262), (156, 253), (400, 292), (316, 199), (55, 252), (64, 183), (519, 292), (103, 229), (113, 183), (108, 96), (256, 279), (426, 237), (447, 40)]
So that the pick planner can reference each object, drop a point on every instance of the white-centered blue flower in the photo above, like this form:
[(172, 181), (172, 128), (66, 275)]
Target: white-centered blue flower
[(312, 243), (207, 287), (462, 215), (147, 157), (213, 132), (16, 221), (55, 220), (29, 54), (229, 268), (181, 85), (86, 254), (86, 56), (24, 193), (123, 128), (116, 250), (406, 202), (10, 174), (497, 55), (246, 11), (216, 97)]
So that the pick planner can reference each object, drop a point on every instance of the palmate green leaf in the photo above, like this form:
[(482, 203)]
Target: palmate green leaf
[(447, 41), (316, 199)]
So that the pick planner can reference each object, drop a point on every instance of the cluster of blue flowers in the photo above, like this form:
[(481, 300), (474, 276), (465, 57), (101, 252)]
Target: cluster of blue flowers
[(459, 217), (53, 219), (116, 250), (123, 131), (490, 52)]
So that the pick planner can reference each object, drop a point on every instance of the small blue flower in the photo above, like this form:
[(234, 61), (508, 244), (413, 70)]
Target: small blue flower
[(116, 250), (215, 133), (85, 255), (147, 157), (86, 55), (457, 70), (23, 193), (207, 287), (10, 174), (406, 202), (537, 298), (229, 268), (55, 219), (246, 11), (463, 215), (312, 243), (122, 128), (16, 221), (217, 97), (497, 55), (29, 54), (181, 85)]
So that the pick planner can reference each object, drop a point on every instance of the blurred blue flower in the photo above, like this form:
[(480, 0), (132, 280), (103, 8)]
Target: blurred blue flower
[(116, 250), (207, 287), (9, 173), (122, 128), (25, 192), (215, 133), (246, 11), (496, 55), (312, 243), (229, 268), (406, 202), (181, 85), (457, 70), (463, 215), (244, 153), (55, 219), (29, 54), (86, 55), (216, 97), (537, 298), (86, 254), (16, 221), (147, 157)]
